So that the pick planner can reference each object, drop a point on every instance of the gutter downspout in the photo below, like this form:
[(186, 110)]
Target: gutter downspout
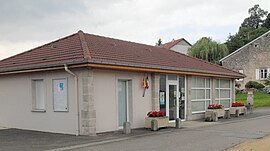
[(76, 99)]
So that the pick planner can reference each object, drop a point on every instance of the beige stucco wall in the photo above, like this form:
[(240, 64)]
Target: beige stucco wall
[(250, 58), (106, 101), (16, 104), (181, 47)]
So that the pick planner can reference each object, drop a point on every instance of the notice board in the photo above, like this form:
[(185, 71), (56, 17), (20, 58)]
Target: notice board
[(60, 97)]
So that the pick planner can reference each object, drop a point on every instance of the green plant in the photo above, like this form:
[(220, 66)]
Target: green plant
[(254, 84), (267, 81)]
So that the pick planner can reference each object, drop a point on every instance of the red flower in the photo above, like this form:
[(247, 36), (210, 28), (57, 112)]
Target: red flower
[(155, 114)]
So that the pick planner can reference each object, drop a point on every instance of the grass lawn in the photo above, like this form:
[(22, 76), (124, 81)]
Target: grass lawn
[(260, 99)]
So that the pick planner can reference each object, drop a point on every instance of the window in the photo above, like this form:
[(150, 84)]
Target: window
[(223, 92), (240, 71), (38, 95), (162, 93), (263, 74), (201, 94)]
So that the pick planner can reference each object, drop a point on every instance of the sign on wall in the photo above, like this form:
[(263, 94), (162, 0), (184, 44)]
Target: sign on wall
[(60, 99)]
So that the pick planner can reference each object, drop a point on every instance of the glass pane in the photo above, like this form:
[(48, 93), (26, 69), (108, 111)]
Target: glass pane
[(198, 106), (200, 94), (172, 77), (207, 92), (217, 94), (172, 102), (224, 83), (162, 83), (207, 103), (122, 106), (217, 83), (194, 82), (225, 103), (207, 82), (200, 82), (193, 94), (40, 101), (224, 93)]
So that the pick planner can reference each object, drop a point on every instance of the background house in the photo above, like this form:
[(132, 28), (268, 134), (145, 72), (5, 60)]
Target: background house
[(86, 84), (180, 45), (253, 60)]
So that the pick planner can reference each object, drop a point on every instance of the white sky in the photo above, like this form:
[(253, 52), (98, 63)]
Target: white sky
[(28, 24)]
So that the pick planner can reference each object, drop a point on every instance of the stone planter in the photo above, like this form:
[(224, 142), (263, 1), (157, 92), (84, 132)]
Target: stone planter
[(240, 108), (209, 112), (162, 121)]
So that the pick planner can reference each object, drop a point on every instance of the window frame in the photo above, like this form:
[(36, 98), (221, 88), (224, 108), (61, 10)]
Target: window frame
[(218, 99), (263, 72), (201, 88), (34, 100)]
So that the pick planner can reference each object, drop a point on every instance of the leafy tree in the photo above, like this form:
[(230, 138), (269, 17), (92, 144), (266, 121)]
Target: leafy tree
[(159, 42), (244, 36), (209, 50), (256, 17), (251, 28), (266, 23)]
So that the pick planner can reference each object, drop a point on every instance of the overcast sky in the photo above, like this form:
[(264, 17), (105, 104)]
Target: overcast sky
[(25, 24)]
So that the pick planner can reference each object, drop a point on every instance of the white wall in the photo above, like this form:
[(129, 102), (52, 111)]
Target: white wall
[(106, 101), (16, 104), (181, 47)]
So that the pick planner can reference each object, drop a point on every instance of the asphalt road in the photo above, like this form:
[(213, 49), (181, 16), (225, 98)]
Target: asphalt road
[(214, 137)]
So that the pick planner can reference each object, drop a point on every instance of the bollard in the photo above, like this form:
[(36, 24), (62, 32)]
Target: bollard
[(251, 109), (227, 114), (237, 113), (126, 128), (208, 119), (154, 125), (245, 111), (178, 123), (214, 117)]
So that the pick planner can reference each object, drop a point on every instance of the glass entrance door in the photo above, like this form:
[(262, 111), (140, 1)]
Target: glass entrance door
[(172, 102)]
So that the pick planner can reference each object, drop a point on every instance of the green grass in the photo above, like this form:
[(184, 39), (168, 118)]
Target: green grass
[(260, 99)]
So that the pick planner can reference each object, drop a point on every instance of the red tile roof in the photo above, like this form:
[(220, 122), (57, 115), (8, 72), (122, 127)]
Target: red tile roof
[(169, 45), (80, 48)]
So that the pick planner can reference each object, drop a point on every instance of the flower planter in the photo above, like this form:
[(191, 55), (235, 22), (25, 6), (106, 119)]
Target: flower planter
[(240, 108), (209, 112), (162, 121)]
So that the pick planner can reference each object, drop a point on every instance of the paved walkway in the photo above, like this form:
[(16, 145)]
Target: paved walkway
[(253, 145), (14, 139)]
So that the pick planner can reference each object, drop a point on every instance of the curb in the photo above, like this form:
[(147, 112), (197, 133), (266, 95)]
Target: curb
[(150, 134)]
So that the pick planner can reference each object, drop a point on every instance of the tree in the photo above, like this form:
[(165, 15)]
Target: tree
[(209, 50), (266, 23), (255, 19), (244, 36), (159, 42)]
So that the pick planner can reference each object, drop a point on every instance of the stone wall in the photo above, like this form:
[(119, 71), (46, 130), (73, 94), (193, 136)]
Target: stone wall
[(155, 77), (254, 56), (88, 111)]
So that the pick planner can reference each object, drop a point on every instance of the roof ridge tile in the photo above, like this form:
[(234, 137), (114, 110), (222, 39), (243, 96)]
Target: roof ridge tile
[(86, 52)]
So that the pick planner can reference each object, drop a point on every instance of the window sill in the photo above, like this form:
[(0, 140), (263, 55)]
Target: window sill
[(37, 110)]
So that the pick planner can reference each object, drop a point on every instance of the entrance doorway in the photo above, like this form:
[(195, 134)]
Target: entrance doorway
[(124, 101), (175, 103)]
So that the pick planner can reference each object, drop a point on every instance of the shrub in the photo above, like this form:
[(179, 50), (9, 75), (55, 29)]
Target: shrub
[(254, 84)]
